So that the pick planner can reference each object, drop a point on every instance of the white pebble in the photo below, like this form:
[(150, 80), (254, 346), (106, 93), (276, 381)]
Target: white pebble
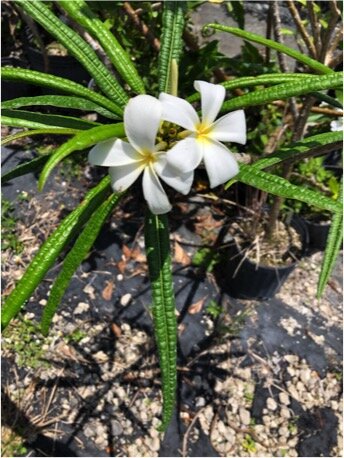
[(271, 404), (200, 402), (305, 375), (245, 416), (221, 427), (285, 412), (125, 299), (284, 398), (81, 308)]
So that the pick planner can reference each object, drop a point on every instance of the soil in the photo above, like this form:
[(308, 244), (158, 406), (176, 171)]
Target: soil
[(255, 378), (284, 248)]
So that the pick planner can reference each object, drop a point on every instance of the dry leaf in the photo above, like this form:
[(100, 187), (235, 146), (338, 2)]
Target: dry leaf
[(126, 251), (121, 266), (67, 352), (108, 290), (117, 331), (138, 256), (180, 255), (196, 307)]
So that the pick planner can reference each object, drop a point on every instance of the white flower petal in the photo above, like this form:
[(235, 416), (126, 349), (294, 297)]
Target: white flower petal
[(179, 112), (219, 162), (230, 128), (181, 182), (154, 193), (212, 97), (124, 176), (112, 153), (142, 117), (186, 155)]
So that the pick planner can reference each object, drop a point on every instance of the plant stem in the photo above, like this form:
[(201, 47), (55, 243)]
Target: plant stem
[(315, 26), (287, 168), (276, 21), (330, 31), (301, 28), (141, 26)]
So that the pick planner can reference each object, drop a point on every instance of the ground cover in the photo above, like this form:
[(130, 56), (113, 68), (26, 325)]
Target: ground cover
[(255, 378)]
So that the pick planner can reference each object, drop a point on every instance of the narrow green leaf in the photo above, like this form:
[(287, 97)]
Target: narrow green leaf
[(74, 258), (43, 119), (83, 15), (51, 249), (165, 323), (171, 41), (284, 91), (296, 150), (26, 124), (333, 246), (59, 84), (279, 186), (78, 142), (327, 99), (78, 47), (62, 101), (249, 36), (27, 167), (30, 133), (248, 81)]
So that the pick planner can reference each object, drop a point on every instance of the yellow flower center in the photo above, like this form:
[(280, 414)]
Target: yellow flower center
[(149, 157), (202, 131)]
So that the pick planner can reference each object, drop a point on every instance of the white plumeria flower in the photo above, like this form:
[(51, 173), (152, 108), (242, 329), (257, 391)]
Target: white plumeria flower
[(126, 161), (203, 142)]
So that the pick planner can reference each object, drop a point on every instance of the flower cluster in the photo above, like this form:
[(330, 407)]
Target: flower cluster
[(201, 141)]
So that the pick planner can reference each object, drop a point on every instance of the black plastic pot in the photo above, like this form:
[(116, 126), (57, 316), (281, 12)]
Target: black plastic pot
[(63, 66), (318, 233), (243, 279), (14, 89)]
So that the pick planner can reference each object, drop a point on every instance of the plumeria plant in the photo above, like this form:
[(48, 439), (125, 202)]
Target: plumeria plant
[(158, 139)]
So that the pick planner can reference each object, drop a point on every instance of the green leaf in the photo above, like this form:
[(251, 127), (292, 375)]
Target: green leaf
[(74, 258), (171, 42), (16, 122), (27, 167), (284, 91), (296, 150), (279, 186), (164, 312), (34, 119), (58, 84), (285, 31), (51, 249), (30, 133), (249, 36), (78, 47), (82, 14), (62, 101), (327, 99), (333, 246), (80, 141), (247, 81)]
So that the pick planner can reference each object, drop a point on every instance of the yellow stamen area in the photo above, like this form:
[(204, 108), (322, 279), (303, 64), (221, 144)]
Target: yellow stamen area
[(149, 157), (203, 130)]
